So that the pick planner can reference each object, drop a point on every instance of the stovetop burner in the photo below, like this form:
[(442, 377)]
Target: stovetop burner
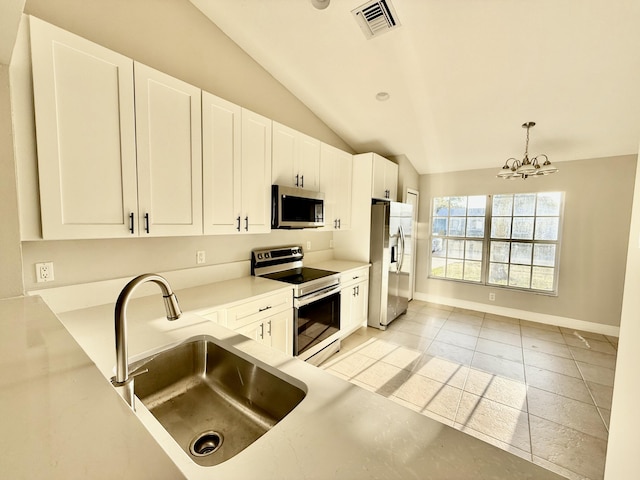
[(299, 275)]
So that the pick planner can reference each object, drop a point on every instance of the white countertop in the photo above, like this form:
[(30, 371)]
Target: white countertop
[(338, 431), (60, 417)]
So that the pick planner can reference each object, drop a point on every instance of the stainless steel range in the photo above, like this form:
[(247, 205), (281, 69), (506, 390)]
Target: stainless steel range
[(316, 298)]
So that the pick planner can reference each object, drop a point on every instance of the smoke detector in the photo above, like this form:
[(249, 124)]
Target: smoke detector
[(376, 17)]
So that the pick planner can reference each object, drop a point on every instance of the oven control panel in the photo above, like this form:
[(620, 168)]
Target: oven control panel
[(276, 255)]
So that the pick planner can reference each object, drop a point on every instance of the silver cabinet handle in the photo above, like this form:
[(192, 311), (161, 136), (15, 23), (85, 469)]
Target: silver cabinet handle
[(269, 331), (297, 180), (265, 308), (238, 220), (131, 223), (246, 223), (262, 330), (146, 222), (339, 223), (302, 181)]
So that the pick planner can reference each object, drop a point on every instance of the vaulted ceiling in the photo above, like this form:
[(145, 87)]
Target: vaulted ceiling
[(462, 75)]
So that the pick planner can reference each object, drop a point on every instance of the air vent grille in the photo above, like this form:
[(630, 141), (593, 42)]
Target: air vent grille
[(376, 17)]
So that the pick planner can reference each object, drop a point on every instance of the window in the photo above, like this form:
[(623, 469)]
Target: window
[(457, 237), (508, 240)]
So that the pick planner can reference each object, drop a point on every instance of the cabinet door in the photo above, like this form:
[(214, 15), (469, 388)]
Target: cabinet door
[(285, 169), (84, 112), (385, 178), (255, 331), (280, 330), (360, 305), (346, 302), (308, 159), (328, 186), (256, 173), (168, 134), (343, 176), (221, 165), (378, 187), (391, 180)]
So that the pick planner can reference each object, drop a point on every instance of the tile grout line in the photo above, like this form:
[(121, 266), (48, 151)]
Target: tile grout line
[(526, 396), (464, 384)]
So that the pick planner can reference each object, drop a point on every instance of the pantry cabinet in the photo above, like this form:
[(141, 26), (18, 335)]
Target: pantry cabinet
[(85, 124), (335, 182), (169, 155), (296, 158), (236, 168)]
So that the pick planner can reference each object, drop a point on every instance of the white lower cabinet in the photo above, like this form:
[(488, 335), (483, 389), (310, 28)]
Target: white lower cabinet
[(269, 320), (354, 300), (274, 331)]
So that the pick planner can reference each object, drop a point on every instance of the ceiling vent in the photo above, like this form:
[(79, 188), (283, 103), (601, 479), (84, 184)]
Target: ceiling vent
[(376, 17)]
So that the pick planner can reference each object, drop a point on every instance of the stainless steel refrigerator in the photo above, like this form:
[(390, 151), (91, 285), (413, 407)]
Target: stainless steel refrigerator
[(390, 256)]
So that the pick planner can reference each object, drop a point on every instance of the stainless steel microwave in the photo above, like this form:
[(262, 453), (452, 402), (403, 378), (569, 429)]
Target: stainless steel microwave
[(296, 208)]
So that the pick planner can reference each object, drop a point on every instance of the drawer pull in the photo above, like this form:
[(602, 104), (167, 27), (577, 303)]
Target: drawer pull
[(265, 308)]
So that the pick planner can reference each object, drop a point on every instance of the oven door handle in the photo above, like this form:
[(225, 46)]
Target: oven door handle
[(313, 297)]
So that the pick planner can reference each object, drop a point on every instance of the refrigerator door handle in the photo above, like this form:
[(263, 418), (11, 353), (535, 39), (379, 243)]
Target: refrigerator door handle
[(401, 245)]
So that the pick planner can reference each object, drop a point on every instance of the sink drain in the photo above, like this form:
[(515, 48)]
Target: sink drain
[(205, 443)]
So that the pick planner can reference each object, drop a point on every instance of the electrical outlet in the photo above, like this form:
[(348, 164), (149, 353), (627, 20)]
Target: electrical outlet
[(200, 257), (308, 245), (492, 296), (44, 272)]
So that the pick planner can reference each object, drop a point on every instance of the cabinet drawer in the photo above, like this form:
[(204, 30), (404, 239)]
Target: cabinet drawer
[(354, 276), (255, 310)]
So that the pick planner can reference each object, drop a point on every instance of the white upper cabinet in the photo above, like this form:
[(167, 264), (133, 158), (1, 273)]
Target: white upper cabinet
[(335, 182), (385, 179), (236, 167), (119, 151), (296, 158), (168, 133), (256, 172), (84, 110), (221, 164)]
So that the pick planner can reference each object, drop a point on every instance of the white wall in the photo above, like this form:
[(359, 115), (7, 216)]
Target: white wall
[(623, 461), (598, 194)]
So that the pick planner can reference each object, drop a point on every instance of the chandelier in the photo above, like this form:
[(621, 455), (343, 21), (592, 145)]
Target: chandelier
[(525, 168)]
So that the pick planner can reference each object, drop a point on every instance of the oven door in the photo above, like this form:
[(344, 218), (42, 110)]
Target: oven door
[(316, 317)]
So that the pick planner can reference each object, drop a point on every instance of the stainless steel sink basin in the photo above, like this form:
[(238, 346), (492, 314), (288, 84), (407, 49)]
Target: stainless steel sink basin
[(213, 402)]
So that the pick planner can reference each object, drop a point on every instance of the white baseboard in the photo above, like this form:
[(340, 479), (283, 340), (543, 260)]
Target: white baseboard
[(566, 322)]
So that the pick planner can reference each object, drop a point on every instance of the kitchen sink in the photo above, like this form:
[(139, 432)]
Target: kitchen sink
[(212, 401)]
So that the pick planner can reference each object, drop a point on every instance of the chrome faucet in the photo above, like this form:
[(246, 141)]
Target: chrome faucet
[(122, 380)]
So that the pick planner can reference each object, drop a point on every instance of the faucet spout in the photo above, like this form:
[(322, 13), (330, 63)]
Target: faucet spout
[(122, 380)]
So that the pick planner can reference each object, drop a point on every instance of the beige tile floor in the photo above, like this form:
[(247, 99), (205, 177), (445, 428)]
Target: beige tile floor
[(539, 391)]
